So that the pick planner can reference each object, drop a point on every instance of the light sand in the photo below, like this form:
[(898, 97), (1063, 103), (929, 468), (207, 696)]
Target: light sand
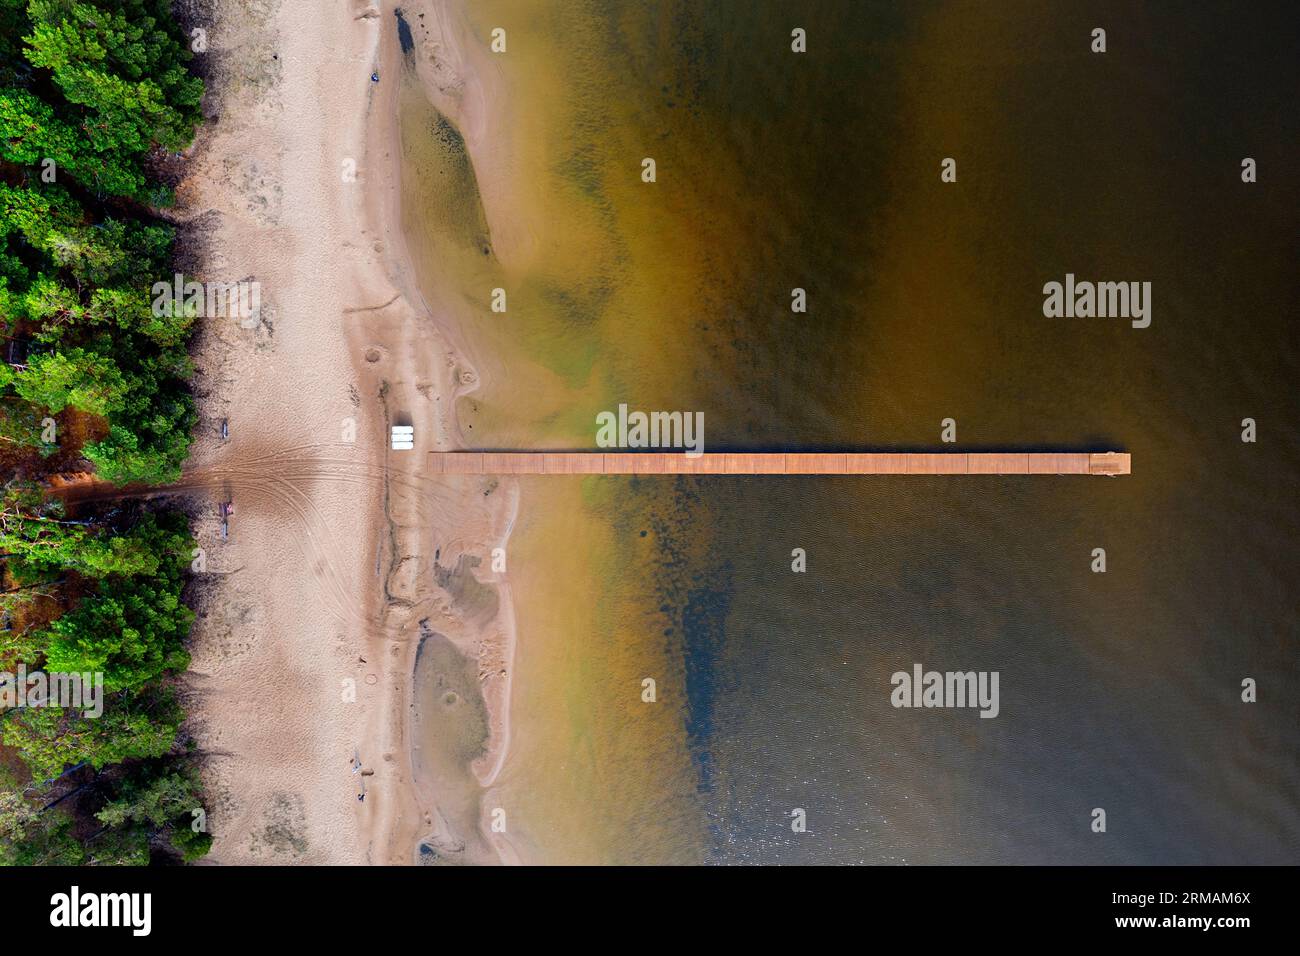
[(336, 544)]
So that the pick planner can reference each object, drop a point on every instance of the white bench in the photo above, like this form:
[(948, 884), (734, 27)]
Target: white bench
[(403, 437)]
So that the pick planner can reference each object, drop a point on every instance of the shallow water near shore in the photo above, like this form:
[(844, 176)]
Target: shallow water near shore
[(820, 171), (450, 722)]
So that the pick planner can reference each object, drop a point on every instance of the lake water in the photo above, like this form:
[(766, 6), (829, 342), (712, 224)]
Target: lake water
[(821, 171)]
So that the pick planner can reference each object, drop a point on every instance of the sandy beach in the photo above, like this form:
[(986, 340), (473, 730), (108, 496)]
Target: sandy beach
[(343, 557)]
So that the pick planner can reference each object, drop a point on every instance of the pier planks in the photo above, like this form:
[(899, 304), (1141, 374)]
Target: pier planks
[(779, 463)]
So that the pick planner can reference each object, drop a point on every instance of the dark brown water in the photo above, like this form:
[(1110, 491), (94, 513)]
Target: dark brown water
[(821, 171)]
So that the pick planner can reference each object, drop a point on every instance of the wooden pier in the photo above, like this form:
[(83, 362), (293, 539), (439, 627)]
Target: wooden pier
[(777, 463)]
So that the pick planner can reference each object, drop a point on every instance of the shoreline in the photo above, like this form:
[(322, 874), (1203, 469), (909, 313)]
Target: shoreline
[(449, 73), (345, 340), (440, 541)]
